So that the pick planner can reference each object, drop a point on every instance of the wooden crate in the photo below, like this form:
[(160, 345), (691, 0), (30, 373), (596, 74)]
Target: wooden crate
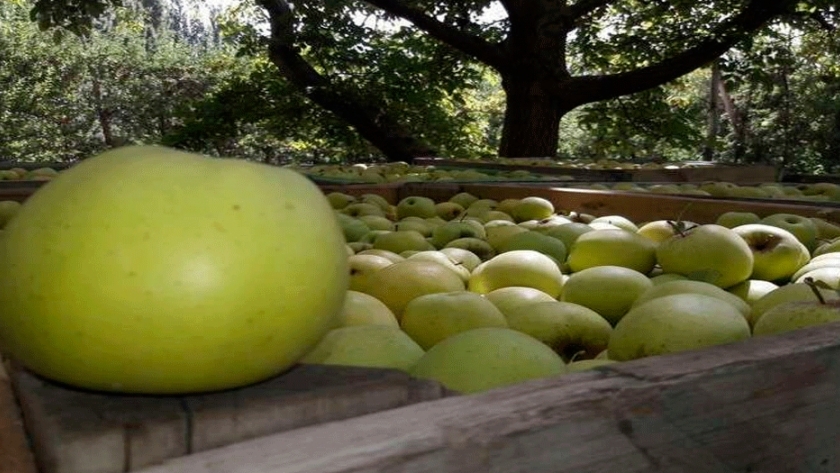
[(76, 431), (751, 174), (769, 404)]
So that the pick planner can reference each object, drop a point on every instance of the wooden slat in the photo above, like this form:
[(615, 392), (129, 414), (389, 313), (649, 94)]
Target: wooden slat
[(15, 454), (131, 432), (645, 207), (768, 405)]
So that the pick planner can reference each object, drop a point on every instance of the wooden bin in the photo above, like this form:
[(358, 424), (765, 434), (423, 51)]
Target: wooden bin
[(746, 174), (764, 405)]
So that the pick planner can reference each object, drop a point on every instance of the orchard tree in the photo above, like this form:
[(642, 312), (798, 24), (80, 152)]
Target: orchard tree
[(552, 55)]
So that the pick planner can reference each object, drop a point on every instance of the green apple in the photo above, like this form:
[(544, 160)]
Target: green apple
[(777, 253), (497, 235), (363, 309), (340, 200), (464, 199), (612, 248), (460, 256), (532, 208), (718, 189), (507, 205), (667, 277), (787, 293), (376, 222), (568, 233), (448, 210), (710, 253), (829, 275), (826, 230), (617, 220), (752, 290), (485, 358), (416, 206), (416, 224), (150, 270), (584, 365), (369, 346), (660, 230), (546, 224), (508, 298), (361, 208), (571, 330), (492, 215), (8, 209), (536, 241), (362, 266), (608, 290), (736, 219), (431, 318), (794, 315), (676, 323), (454, 230), (400, 283), (693, 287), (389, 255), (376, 200), (398, 242), (802, 227), (357, 246), (832, 246), (818, 263), (353, 228), (477, 246), (442, 258), (518, 268)]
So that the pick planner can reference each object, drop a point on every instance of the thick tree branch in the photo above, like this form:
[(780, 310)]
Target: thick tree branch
[(587, 89), (486, 52), (372, 123)]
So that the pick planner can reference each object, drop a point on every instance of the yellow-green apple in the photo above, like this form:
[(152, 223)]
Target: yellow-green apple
[(363, 309), (829, 247), (613, 248), (362, 266), (448, 210), (339, 200), (353, 228), (497, 235), (8, 209), (389, 255), (362, 208), (376, 222), (797, 314), (416, 206), (832, 261), (398, 242), (571, 330), (666, 277), (518, 268), (442, 258), (608, 290), (710, 253), (369, 346), (802, 227), (357, 246), (507, 205), (508, 298), (693, 287), (431, 318), (150, 270), (371, 236), (532, 208), (464, 199), (416, 224), (456, 229), (492, 215), (477, 246), (485, 358), (460, 256), (568, 233), (618, 221), (536, 241), (829, 275), (400, 283), (377, 200), (752, 290), (787, 293), (777, 253), (676, 323), (660, 230)]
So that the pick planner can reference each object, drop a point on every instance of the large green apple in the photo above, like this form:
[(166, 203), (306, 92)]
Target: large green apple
[(802, 227), (8, 209), (795, 315), (571, 330), (616, 247), (693, 287), (431, 318), (508, 298), (369, 346), (518, 268), (710, 253), (777, 253), (150, 270), (608, 290), (787, 293)]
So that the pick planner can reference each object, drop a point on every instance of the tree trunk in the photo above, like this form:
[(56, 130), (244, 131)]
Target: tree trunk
[(532, 120), (714, 114)]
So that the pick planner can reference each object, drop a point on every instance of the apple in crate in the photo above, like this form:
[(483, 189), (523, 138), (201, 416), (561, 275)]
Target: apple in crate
[(150, 270)]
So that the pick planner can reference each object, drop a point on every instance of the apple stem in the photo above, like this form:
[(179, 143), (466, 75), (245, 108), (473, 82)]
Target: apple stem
[(816, 290), (576, 355), (677, 226)]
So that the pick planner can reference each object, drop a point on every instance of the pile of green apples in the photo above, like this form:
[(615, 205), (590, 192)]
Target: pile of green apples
[(404, 172), (816, 192), (20, 174), (600, 164), (477, 293)]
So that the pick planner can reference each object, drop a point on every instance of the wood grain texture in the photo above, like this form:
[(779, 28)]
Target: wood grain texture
[(130, 432), (769, 404), (15, 454)]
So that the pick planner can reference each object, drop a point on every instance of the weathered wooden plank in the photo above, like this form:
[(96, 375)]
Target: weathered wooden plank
[(770, 404), (15, 454), (130, 432), (645, 207)]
